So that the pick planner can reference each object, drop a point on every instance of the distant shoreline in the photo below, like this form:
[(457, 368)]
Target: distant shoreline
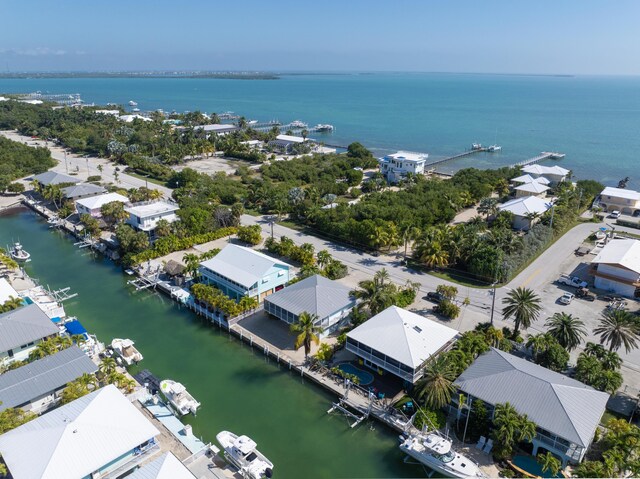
[(210, 75)]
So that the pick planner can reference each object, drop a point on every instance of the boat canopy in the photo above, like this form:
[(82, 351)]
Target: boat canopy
[(75, 327), (244, 444), (437, 444)]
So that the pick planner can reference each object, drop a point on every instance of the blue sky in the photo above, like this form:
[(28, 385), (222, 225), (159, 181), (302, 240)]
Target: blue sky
[(507, 36)]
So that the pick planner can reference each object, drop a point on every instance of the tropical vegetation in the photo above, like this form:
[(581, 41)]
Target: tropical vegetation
[(377, 294), (523, 306), (307, 332), (18, 160), (618, 328), (216, 301)]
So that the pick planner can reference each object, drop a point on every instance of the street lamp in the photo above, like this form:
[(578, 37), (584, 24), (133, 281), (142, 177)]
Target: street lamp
[(66, 165)]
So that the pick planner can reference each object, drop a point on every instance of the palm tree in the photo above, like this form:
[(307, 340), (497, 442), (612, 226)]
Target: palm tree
[(523, 305), (108, 366), (11, 304), (307, 332), (376, 294), (618, 327), (323, 258), (78, 339), (549, 463), (43, 349), (436, 385), (610, 361), (568, 330), (88, 380)]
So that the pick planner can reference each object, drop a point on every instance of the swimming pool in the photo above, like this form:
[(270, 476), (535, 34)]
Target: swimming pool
[(366, 378), (530, 465)]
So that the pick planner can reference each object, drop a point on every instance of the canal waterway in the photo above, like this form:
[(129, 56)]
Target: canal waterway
[(239, 388)]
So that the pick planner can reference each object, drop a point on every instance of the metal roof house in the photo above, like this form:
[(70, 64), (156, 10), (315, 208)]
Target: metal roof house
[(555, 174), (329, 300), (533, 188), (617, 267), (400, 342), (55, 178), (83, 190), (91, 206), (620, 199), (566, 412), (396, 166), (98, 435), (238, 271), (166, 466), (36, 386), (22, 329), (525, 210), (144, 216), (287, 143)]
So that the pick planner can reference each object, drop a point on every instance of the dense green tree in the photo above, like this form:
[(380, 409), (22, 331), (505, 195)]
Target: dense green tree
[(436, 386), (567, 330)]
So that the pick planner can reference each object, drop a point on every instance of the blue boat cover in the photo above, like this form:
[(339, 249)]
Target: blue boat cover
[(74, 327), (56, 319)]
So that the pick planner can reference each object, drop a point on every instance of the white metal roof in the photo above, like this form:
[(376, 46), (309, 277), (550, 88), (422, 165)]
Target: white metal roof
[(7, 291), (130, 118), (76, 439), (55, 178), (98, 201), (82, 189), (243, 265), (524, 206), (166, 466), (533, 187), (290, 138), (545, 170), (621, 252), (408, 155), (404, 336), (621, 193), (154, 208), (216, 127)]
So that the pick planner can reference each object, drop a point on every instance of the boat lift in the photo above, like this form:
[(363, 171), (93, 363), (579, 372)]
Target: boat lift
[(61, 295), (86, 242), (149, 278), (342, 405)]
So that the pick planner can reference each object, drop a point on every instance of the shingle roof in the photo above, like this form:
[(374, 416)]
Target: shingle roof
[(166, 466), (85, 189), (621, 252), (43, 376), (76, 439), (54, 178), (243, 265), (315, 295), (524, 206), (24, 325), (557, 403), (404, 336)]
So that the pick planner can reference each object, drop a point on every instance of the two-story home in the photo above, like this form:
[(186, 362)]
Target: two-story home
[(526, 211), (91, 206), (617, 267), (21, 330), (238, 271), (396, 166), (565, 411), (623, 200), (287, 143), (400, 342), (98, 435), (83, 190), (555, 174), (144, 216)]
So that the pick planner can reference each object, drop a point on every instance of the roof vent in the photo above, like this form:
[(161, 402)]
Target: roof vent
[(417, 328)]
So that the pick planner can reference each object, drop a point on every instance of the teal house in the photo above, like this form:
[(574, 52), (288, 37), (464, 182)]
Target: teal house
[(238, 271)]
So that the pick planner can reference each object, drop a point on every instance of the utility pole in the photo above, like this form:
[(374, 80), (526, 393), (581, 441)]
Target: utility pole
[(66, 165)]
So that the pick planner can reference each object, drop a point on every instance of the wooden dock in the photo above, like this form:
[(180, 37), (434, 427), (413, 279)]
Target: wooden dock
[(545, 155), (455, 157)]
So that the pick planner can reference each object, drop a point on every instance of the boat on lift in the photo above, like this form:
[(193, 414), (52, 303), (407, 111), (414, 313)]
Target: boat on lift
[(320, 127), (298, 124), (135, 110), (125, 349), (242, 452), (18, 253), (494, 148), (179, 397), (132, 103), (476, 146)]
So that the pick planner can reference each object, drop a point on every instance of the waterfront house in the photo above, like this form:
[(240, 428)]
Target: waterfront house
[(219, 129), (329, 300), (6, 291), (101, 435), (37, 386), (83, 190), (396, 166), (144, 216), (533, 188), (91, 206), (555, 174), (55, 178), (617, 267), (400, 342), (286, 143), (166, 466), (619, 199), (521, 180), (238, 271), (526, 211), (566, 412), (21, 330), (132, 118)]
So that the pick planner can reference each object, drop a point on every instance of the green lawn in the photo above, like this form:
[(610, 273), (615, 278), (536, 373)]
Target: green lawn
[(144, 178)]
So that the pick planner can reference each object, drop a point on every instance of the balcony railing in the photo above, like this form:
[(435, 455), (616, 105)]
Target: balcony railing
[(382, 363)]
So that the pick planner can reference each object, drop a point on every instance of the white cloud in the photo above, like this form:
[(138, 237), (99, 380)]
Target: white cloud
[(33, 52)]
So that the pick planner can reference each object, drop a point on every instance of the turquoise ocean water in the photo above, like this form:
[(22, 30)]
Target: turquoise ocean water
[(594, 120)]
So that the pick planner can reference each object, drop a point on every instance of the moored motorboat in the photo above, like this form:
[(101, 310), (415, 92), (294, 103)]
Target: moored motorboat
[(125, 349), (179, 397), (242, 452), (476, 146), (494, 148), (436, 453), (298, 124), (323, 127), (132, 103), (18, 253)]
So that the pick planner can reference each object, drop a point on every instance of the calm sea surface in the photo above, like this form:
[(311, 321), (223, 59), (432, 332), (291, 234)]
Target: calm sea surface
[(594, 120)]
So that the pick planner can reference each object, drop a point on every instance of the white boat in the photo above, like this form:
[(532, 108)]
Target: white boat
[(323, 127), (476, 146), (435, 452), (494, 148), (19, 254), (132, 103), (179, 397), (135, 110), (125, 349), (298, 124), (241, 452)]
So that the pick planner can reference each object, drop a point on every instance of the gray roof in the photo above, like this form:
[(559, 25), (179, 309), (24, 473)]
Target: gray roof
[(43, 376), (166, 466), (557, 403), (24, 325), (84, 189), (54, 178), (315, 295)]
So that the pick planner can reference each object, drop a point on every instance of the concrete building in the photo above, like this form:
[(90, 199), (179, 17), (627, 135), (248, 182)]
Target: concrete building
[(617, 267), (619, 199), (566, 412), (145, 216), (55, 178), (166, 466), (396, 166), (400, 342), (83, 190), (238, 271), (21, 330), (329, 300), (555, 174), (286, 143), (526, 211), (98, 435), (37, 386), (91, 206)]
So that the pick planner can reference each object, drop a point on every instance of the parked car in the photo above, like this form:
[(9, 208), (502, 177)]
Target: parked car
[(572, 281), (434, 296), (615, 214), (566, 298), (584, 293), (582, 251)]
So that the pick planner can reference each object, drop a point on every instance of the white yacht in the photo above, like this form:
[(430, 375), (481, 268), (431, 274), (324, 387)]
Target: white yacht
[(476, 146), (494, 148), (132, 103), (135, 110), (241, 452), (125, 349), (298, 124), (323, 127), (179, 397), (19, 254), (435, 452)]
